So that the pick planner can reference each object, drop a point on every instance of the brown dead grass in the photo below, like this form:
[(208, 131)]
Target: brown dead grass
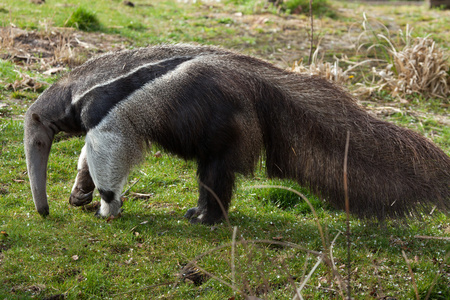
[(50, 50), (420, 67)]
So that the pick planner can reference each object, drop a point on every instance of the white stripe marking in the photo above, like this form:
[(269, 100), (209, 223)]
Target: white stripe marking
[(78, 97)]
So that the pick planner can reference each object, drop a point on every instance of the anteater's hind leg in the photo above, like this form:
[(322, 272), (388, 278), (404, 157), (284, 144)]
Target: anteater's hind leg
[(84, 185), (110, 156), (216, 183)]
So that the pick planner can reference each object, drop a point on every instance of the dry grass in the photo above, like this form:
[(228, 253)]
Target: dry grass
[(48, 51), (420, 67), (38, 49), (6, 38), (53, 47), (412, 65), (330, 71)]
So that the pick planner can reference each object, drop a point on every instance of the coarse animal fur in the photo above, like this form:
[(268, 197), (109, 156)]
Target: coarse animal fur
[(224, 110)]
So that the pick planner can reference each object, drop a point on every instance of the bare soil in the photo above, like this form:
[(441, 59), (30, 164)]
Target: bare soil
[(57, 47)]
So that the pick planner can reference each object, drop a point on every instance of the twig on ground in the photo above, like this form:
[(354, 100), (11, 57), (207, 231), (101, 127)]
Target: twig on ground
[(220, 280), (307, 278), (290, 278), (126, 192), (412, 275), (333, 266), (426, 237), (233, 247)]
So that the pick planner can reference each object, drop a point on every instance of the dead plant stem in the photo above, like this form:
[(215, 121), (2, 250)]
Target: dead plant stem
[(413, 280), (347, 210), (233, 248), (312, 32)]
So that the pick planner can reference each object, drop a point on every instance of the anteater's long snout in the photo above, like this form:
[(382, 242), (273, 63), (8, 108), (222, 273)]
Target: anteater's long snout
[(38, 141)]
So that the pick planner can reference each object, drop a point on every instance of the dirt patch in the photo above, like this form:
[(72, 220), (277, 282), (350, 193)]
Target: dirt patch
[(281, 39), (55, 48), (33, 289)]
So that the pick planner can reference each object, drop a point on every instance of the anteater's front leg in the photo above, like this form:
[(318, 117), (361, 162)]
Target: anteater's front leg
[(216, 180), (110, 156), (84, 185)]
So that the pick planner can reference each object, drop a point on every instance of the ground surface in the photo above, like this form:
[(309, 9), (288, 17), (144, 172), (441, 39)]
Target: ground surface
[(141, 255)]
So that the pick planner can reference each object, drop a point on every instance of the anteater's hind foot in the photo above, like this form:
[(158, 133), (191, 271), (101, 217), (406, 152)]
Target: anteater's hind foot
[(216, 180), (199, 216)]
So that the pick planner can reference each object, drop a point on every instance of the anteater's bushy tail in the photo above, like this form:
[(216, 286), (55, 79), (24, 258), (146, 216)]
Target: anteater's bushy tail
[(392, 171)]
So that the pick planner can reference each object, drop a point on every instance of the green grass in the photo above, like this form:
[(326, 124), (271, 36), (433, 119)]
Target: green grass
[(83, 19), (319, 7), (72, 251), (139, 255), (165, 21)]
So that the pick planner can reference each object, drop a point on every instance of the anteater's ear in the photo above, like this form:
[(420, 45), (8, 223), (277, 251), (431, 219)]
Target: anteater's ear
[(36, 117)]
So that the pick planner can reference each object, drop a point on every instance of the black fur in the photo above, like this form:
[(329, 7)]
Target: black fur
[(108, 196)]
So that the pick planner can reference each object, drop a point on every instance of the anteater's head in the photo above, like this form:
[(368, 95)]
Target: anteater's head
[(38, 140)]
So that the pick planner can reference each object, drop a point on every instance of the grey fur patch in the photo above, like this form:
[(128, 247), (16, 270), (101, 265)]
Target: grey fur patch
[(97, 102)]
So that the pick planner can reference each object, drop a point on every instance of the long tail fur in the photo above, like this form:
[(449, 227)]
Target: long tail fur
[(391, 170)]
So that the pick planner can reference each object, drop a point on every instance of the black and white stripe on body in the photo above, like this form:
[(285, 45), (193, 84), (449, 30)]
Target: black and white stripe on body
[(161, 99)]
